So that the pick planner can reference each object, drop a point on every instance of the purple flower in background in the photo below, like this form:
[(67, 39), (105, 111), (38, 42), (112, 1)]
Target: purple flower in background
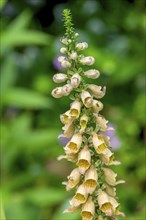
[(56, 64), (63, 140), (114, 139)]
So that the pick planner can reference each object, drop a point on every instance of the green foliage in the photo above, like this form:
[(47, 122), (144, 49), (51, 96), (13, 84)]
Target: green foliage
[(31, 175)]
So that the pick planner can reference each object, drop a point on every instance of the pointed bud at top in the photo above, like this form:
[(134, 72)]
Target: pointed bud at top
[(92, 74), (74, 144), (87, 61), (82, 46), (97, 91), (84, 159), (57, 92), (59, 77), (86, 99), (75, 109), (88, 210), (91, 178), (110, 177), (80, 196), (75, 80), (63, 50)]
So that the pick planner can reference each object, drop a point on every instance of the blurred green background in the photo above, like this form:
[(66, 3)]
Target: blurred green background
[(30, 31)]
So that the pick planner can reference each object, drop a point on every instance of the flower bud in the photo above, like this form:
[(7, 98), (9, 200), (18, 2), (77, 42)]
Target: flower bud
[(80, 196), (75, 109), (107, 157), (61, 59), (83, 122), (92, 74), (63, 50), (69, 129), (73, 179), (57, 92), (73, 55), (84, 160), (91, 178), (75, 80), (97, 106), (65, 64), (98, 143), (86, 99), (87, 61), (97, 91), (110, 177), (82, 46), (59, 77), (66, 89), (64, 41), (88, 210), (101, 122), (74, 144)]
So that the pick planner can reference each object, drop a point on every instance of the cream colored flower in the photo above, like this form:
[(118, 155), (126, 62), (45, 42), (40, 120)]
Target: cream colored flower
[(68, 129), (82, 46), (110, 190), (64, 40), (87, 61), (97, 91), (91, 178), (92, 74), (101, 122), (110, 177), (97, 106), (66, 117), (88, 210), (75, 109), (71, 209), (115, 207), (98, 143), (61, 58), (86, 99), (104, 202), (80, 196), (65, 63), (107, 157), (73, 55), (63, 50), (84, 159), (59, 77), (83, 122), (57, 92), (66, 89), (73, 179), (75, 80), (74, 144)]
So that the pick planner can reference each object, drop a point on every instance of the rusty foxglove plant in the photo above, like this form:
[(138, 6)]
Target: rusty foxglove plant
[(88, 146)]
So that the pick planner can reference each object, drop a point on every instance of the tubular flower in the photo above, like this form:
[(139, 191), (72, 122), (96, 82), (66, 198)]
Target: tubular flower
[(87, 145)]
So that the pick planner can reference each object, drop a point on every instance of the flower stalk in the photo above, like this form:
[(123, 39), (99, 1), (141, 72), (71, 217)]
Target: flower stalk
[(88, 147)]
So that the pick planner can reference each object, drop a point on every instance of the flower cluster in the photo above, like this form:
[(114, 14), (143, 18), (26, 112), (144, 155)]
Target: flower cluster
[(88, 146)]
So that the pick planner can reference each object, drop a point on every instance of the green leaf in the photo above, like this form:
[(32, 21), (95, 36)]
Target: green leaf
[(23, 98)]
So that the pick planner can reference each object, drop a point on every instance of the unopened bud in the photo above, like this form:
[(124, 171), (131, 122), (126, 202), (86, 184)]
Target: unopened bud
[(82, 46), (66, 89), (63, 50), (73, 55), (87, 61), (75, 80), (57, 92), (92, 74), (59, 77)]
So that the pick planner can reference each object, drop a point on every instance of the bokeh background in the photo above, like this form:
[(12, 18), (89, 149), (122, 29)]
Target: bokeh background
[(30, 32)]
